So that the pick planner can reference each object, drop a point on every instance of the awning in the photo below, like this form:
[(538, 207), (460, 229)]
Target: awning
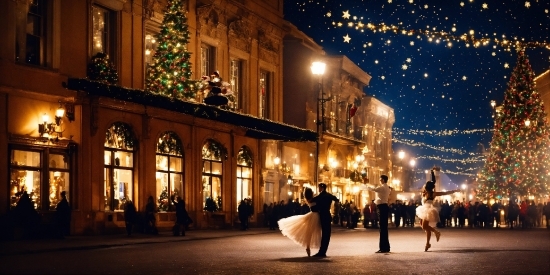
[(255, 127)]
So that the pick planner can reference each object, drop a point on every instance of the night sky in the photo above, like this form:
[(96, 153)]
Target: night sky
[(441, 89)]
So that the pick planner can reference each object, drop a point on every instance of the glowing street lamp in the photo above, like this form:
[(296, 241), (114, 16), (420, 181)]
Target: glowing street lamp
[(318, 69)]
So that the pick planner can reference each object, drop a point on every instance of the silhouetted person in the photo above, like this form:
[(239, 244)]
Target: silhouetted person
[(150, 221), (25, 216), (382, 194), (63, 216), (129, 216), (182, 217), (324, 201), (243, 214)]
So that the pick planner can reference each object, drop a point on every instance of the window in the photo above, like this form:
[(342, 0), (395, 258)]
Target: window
[(118, 166), (150, 45), (103, 34), (212, 171), (34, 32), (244, 174), (235, 78), (207, 59), (169, 174), (42, 173), (265, 90)]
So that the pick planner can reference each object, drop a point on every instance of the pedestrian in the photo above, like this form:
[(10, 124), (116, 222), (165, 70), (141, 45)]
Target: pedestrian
[(243, 214), (427, 212), (382, 196), (63, 216), (129, 216), (182, 217), (323, 201), (150, 220)]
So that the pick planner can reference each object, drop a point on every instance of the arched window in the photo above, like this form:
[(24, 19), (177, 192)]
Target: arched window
[(244, 174), (119, 166), (213, 153), (169, 163)]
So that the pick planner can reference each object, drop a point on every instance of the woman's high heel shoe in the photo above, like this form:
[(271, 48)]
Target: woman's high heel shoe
[(427, 247), (308, 252), (437, 235)]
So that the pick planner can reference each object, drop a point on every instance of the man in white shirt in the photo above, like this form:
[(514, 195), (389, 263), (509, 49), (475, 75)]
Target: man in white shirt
[(382, 195)]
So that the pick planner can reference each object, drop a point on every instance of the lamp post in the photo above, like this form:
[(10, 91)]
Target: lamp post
[(318, 69), (401, 155)]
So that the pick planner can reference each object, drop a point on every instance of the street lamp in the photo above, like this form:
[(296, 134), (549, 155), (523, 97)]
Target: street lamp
[(318, 69), (412, 162)]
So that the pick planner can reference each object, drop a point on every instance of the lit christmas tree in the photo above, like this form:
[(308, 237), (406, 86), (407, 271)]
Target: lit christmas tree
[(102, 70), (170, 71), (518, 161)]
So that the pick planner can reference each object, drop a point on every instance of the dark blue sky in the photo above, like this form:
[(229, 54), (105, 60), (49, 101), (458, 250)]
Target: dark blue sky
[(432, 86)]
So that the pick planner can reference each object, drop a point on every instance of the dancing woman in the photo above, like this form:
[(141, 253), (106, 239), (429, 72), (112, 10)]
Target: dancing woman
[(427, 212), (304, 230)]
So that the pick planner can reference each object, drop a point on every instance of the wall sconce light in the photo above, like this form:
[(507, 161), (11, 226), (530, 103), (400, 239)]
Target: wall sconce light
[(47, 129)]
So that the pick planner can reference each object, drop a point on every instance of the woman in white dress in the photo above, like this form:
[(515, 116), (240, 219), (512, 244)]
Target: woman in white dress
[(427, 212), (304, 230)]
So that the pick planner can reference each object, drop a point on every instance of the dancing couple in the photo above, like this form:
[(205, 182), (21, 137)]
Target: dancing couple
[(311, 230)]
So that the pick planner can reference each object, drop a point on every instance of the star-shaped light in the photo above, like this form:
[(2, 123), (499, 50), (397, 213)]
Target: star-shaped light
[(389, 1), (411, 1), (408, 60), (346, 14), (404, 67), (464, 77), (462, 4), (425, 6), (347, 38), (506, 65), (485, 6), (329, 14), (527, 4), (383, 77), (412, 43)]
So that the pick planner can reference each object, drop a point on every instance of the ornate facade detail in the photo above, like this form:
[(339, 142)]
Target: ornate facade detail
[(149, 8), (209, 21), (240, 35), (269, 56), (268, 43)]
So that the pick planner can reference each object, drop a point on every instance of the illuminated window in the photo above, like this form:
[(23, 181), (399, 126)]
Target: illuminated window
[(169, 166), (207, 59), (118, 166), (213, 153), (244, 174), (103, 32), (235, 79), (264, 94), (43, 173)]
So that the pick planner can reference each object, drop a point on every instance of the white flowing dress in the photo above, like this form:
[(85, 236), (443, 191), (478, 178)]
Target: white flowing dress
[(304, 230), (427, 211)]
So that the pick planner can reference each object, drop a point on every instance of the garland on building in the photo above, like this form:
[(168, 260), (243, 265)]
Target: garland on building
[(170, 71), (519, 161), (102, 70)]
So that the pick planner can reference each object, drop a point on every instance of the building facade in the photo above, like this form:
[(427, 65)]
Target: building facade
[(105, 145), (355, 129)]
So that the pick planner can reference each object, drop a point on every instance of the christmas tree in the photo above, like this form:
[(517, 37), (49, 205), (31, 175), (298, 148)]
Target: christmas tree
[(518, 161), (170, 71), (102, 70)]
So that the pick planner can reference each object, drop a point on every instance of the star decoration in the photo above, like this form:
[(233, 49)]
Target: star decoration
[(383, 77), (329, 14), (412, 43), (389, 1), (485, 6), (464, 77), (409, 60), (527, 4), (462, 4), (404, 67), (506, 65), (346, 15), (347, 38)]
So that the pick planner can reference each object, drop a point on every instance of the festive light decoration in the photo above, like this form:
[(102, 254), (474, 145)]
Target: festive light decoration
[(170, 70), (439, 148), (438, 36), (102, 70), (446, 132), (519, 161)]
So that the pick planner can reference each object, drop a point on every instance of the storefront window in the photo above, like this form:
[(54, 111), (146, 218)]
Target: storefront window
[(43, 183), (119, 166), (212, 155), (244, 174), (169, 166)]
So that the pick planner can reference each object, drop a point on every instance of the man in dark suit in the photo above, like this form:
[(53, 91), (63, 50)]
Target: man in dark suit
[(323, 202), (382, 195)]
